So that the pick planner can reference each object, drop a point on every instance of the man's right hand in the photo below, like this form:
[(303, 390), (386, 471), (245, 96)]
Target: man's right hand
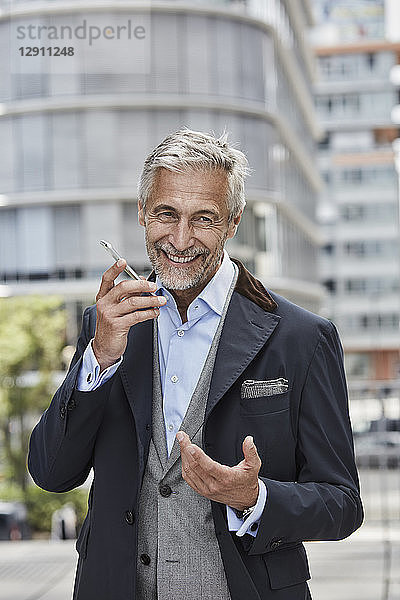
[(118, 308)]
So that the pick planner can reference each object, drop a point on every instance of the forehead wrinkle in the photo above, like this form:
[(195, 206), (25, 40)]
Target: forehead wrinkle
[(191, 180), (182, 189)]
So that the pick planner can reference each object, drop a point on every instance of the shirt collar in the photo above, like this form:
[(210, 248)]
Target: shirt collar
[(215, 292)]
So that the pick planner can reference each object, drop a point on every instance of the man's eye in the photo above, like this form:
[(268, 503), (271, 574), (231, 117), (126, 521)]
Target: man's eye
[(166, 215), (203, 220)]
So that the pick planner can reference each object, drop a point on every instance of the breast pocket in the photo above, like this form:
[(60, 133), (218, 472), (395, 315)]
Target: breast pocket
[(259, 397), (264, 405)]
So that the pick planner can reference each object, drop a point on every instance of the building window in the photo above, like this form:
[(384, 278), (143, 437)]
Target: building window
[(371, 59), (329, 249), (372, 322), (330, 285), (384, 213), (358, 365), (372, 248)]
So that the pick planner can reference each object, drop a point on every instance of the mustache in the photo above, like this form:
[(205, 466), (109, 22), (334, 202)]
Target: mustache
[(189, 252)]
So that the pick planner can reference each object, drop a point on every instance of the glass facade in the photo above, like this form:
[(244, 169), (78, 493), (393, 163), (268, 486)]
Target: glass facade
[(361, 262), (356, 66), (355, 104), (74, 144)]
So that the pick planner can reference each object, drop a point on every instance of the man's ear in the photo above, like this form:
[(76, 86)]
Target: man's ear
[(234, 225), (140, 214)]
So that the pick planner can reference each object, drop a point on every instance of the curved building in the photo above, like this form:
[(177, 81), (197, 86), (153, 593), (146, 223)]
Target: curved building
[(75, 128)]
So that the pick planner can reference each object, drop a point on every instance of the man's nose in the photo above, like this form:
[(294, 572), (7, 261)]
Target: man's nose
[(181, 236)]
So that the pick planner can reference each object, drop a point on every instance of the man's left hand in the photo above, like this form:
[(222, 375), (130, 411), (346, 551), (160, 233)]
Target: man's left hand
[(235, 486)]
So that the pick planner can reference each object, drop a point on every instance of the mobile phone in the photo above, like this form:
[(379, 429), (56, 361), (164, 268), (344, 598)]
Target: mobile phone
[(116, 255)]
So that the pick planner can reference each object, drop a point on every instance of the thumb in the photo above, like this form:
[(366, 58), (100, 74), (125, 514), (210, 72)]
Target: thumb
[(250, 452)]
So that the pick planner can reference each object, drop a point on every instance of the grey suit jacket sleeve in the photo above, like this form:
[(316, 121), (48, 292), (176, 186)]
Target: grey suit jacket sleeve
[(324, 502), (61, 444)]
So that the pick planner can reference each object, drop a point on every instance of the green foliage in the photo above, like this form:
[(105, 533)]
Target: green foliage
[(41, 504), (32, 335)]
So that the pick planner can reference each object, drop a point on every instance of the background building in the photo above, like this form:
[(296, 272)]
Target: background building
[(360, 266), (75, 132)]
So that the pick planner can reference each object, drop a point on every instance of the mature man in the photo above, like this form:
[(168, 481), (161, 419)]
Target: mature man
[(213, 412)]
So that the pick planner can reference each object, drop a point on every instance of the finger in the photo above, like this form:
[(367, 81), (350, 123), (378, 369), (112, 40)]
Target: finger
[(133, 303), (130, 287), (189, 467), (138, 316), (109, 276), (190, 452), (251, 457), (193, 479), (205, 467), (183, 439), (203, 482)]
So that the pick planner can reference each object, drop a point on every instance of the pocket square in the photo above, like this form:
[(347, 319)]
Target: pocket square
[(251, 388)]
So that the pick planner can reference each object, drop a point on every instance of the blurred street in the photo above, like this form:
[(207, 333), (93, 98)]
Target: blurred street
[(37, 570), (366, 566)]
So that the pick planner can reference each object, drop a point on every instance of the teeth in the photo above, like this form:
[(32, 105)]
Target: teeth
[(181, 259)]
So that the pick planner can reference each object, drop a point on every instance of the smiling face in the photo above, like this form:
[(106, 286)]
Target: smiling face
[(187, 225)]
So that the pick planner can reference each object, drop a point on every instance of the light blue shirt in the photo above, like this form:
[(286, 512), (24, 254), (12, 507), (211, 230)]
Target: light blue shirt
[(183, 349)]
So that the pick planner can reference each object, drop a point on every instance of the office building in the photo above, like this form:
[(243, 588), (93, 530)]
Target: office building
[(355, 98), (75, 129)]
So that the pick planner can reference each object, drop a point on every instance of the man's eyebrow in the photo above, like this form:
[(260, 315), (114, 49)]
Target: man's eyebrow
[(164, 207), (201, 211)]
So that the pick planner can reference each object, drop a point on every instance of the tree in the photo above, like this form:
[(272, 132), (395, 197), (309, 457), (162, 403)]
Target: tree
[(32, 335)]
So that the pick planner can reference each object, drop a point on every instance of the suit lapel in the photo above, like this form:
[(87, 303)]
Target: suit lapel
[(246, 329), (136, 372)]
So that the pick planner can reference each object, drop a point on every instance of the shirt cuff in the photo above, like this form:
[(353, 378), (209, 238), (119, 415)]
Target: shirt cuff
[(249, 525), (89, 377)]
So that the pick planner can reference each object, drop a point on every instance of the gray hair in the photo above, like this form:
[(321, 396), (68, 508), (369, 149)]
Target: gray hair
[(187, 149)]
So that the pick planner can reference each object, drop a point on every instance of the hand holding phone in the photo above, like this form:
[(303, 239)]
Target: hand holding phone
[(119, 307), (116, 255)]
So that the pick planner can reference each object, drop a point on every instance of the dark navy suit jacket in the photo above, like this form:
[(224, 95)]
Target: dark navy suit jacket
[(303, 437)]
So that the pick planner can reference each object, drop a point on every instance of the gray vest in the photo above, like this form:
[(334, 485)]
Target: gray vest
[(176, 528)]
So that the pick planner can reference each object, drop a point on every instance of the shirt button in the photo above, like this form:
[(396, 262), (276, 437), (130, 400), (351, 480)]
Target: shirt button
[(170, 427), (181, 333), (174, 378), (89, 378), (196, 307), (145, 559)]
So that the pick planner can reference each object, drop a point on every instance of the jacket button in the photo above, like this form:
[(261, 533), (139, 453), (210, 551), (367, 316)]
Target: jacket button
[(145, 559), (165, 491), (63, 410), (129, 517), (275, 544)]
